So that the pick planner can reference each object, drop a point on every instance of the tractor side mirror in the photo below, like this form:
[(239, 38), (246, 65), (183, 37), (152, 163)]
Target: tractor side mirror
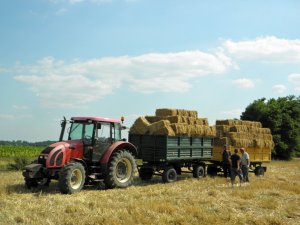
[(123, 127)]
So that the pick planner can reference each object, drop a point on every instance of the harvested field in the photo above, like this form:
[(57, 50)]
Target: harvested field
[(270, 200)]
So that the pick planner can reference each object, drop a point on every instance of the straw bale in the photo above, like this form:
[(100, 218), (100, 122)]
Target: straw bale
[(222, 130), (262, 143), (239, 142), (201, 121), (166, 130), (188, 113), (177, 119), (221, 141), (181, 129), (239, 128), (154, 127), (140, 126), (228, 122), (166, 112), (153, 119), (239, 122), (265, 130)]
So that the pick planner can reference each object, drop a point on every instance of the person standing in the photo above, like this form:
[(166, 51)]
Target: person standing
[(225, 161), (235, 169), (245, 163)]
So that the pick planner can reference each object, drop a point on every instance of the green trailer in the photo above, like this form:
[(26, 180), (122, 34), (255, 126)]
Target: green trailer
[(168, 155)]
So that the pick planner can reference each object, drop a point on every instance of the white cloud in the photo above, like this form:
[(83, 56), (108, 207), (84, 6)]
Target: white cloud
[(243, 83), (294, 78), (265, 49), (14, 117), (20, 107), (59, 84), (3, 70), (279, 88)]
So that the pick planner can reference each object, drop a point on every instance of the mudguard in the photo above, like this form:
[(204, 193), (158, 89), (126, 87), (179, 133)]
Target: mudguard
[(117, 146)]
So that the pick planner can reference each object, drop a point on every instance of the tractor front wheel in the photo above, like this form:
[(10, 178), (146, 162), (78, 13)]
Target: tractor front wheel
[(72, 178), (120, 170)]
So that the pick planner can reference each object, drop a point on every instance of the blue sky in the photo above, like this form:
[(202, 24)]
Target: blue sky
[(115, 58)]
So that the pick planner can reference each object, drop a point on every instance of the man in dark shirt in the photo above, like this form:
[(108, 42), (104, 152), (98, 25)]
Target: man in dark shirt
[(235, 161), (225, 161)]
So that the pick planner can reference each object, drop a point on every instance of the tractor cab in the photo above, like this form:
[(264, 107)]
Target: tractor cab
[(96, 135)]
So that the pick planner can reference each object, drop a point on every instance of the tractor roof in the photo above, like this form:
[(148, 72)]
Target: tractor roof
[(98, 119)]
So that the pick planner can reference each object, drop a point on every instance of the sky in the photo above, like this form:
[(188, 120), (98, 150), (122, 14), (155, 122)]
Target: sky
[(113, 58)]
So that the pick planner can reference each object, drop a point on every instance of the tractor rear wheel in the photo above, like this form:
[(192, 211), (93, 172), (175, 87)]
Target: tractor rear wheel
[(120, 170), (71, 178)]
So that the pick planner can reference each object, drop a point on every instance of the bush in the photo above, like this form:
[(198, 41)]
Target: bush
[(19, 163)]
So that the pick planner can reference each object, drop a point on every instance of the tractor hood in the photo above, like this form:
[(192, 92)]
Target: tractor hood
[(57, 154), (71, 144)]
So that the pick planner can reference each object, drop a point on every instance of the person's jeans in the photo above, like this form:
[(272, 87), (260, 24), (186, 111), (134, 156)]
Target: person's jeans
[(245, 171)]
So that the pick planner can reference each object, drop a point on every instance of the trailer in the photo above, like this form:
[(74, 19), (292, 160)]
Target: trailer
[(166, 156), (258, 157)]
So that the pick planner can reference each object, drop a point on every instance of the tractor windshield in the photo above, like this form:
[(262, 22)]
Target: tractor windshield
[(81, 131)]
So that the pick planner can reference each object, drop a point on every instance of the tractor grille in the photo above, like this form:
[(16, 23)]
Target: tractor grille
[(42, 159)]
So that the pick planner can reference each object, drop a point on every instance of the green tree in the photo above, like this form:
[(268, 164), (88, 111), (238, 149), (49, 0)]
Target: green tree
[(282, 116)]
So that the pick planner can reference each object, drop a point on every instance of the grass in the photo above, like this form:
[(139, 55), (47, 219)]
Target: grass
[(273, 199)]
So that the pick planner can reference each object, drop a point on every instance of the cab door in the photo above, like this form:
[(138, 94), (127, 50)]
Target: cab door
[(103, 139)]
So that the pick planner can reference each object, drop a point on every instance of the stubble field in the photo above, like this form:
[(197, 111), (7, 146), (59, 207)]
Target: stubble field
[(272, 199)]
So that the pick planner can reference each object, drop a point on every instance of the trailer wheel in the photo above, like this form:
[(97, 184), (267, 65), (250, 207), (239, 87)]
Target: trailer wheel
[(146, 173), (198, 171), (121, 167), (71, 178), (169, 175), (259, 171)]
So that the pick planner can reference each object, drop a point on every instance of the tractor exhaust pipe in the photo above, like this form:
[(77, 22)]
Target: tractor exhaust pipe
[(63, 127)]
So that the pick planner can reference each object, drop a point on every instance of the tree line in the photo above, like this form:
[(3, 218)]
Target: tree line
[(26, 143), (282, 116)]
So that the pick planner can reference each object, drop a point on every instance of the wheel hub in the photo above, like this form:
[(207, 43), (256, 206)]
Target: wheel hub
[(124, 170)]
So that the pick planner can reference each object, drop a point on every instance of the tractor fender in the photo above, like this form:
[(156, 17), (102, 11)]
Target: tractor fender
[(117, 146), (80, 161)]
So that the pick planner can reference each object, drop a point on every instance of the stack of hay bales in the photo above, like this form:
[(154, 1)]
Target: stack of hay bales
[(173, 122), (240, 133)]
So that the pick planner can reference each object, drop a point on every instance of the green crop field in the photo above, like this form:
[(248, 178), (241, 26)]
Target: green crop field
[(19, 151)]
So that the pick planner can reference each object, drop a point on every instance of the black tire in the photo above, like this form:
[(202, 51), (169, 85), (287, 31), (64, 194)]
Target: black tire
[(146, 173), (120, 170), (169, 175), (30, 183), (259, 171), (71, 178), (33, 183), (198, 171), (212, 170)]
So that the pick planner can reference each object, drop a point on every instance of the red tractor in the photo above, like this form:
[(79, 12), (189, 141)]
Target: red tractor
[(93, 152)]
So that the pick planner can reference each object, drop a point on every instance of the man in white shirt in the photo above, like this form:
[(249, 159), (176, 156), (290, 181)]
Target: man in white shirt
[(245, 163)]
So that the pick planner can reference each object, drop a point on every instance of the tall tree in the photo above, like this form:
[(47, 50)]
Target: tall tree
[(282, 116)]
